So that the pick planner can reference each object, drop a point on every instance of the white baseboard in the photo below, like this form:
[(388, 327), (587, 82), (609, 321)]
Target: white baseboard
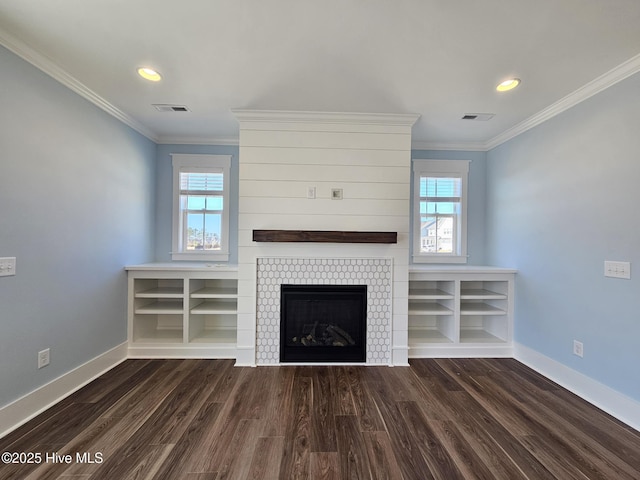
[(27, 407), (445, 350), (616, 404)]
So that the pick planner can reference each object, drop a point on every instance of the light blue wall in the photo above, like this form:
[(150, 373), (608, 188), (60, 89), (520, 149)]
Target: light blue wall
[(476, 205), (164, 196), (475, 197), (76, 205), (562, 198)]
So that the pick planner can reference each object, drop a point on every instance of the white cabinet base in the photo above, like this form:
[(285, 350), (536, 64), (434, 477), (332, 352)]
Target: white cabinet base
[(460, 311), (182, 310)]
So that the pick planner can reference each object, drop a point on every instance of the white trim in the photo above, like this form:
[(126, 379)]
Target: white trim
[(185, 160), (463, 147), (32, 404), (450, 350), (182, 351), (54, 71), (435, 168), (401, 119), (222, 141), (622, 407), (613, 76)]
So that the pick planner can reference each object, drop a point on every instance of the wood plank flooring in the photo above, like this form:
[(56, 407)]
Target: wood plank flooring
[(438, 419)]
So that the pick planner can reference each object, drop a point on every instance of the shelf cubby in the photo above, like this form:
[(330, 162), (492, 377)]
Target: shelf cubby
[(185, 311), (460, 311), (157, 329)]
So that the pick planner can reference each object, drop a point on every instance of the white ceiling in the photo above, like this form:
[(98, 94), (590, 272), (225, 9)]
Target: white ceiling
[(437, 58)]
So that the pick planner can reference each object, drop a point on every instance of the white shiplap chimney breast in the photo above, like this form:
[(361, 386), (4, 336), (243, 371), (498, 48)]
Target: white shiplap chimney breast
[(285, 155)]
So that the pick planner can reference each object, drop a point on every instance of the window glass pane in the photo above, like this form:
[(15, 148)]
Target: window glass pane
[(203, 231), (444, 207), (195, 203), (213, 226), (444, 240), (214, 203), (437, 234), (440, 187)]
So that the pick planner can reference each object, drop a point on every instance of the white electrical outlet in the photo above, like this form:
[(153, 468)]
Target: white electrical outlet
[(7, 266), (617, 269), (43, 358), (311, 192), (578, 348)]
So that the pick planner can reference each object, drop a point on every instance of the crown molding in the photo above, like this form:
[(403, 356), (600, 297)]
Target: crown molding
[(463, 147), (222, 141), (613, 76), (399, 119), (46, 65)]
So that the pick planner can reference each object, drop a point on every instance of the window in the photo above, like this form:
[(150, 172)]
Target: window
[(439, 211), (201, 207)]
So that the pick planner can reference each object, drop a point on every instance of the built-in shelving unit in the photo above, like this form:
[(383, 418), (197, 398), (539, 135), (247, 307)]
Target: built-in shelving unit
[(183, 310), (460, 311)]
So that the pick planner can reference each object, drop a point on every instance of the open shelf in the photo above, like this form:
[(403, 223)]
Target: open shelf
[(429, 294), (215, 292), (161, 292), (480, 294), (477, 335), (185, 311), (458, 311), (224, 336), (158, 329), (480, 309), (425, 308), (167, 307), (213, 307)]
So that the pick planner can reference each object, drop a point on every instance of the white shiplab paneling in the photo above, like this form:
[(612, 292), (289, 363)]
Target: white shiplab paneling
[(282, 154)]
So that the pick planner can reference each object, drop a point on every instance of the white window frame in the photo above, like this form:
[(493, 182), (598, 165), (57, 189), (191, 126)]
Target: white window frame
[(200, 163), (440, 168)]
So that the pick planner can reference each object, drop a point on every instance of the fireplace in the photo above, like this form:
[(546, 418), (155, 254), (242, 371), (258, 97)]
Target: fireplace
[(374, 273), (323, 323)]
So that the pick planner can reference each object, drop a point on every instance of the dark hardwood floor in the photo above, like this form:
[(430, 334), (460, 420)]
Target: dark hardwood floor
[(206, 419)]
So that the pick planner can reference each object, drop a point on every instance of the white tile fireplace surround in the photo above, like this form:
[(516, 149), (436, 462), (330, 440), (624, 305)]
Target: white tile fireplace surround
[(375, 273)]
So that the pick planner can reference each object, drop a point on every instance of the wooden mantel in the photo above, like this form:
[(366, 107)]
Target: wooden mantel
[(324, 236)]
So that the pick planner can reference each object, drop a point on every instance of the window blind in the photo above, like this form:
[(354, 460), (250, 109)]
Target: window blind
[(194, 183)]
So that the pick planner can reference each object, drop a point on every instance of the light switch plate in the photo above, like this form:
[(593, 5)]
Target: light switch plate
[(7, 266), (617, 269)]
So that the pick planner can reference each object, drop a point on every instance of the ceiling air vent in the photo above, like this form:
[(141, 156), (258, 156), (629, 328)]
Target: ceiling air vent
[(478, 117), (163, 107)]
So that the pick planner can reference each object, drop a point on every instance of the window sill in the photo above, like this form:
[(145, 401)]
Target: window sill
[(201, 256), (439, 259)]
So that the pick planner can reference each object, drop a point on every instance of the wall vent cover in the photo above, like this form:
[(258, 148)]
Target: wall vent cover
[(479, 117), (163, 107)]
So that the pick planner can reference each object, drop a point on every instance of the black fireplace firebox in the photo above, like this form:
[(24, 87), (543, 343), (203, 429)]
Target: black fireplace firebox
[(323, 323)]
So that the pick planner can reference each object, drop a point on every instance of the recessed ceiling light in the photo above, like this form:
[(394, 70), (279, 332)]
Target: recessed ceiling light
[(149, 74), (508, 84)]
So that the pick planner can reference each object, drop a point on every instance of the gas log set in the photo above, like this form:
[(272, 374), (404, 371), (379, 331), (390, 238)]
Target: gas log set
[(323, 335)]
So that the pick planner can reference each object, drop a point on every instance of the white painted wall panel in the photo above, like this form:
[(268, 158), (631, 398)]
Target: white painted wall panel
[(297, 190), (324, 140), (370, 163), (338, 208), (307, 173), (252, 221), (324, 156), (346, 127)]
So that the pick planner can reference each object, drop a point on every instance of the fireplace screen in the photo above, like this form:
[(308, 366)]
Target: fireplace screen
[(323, 323)]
